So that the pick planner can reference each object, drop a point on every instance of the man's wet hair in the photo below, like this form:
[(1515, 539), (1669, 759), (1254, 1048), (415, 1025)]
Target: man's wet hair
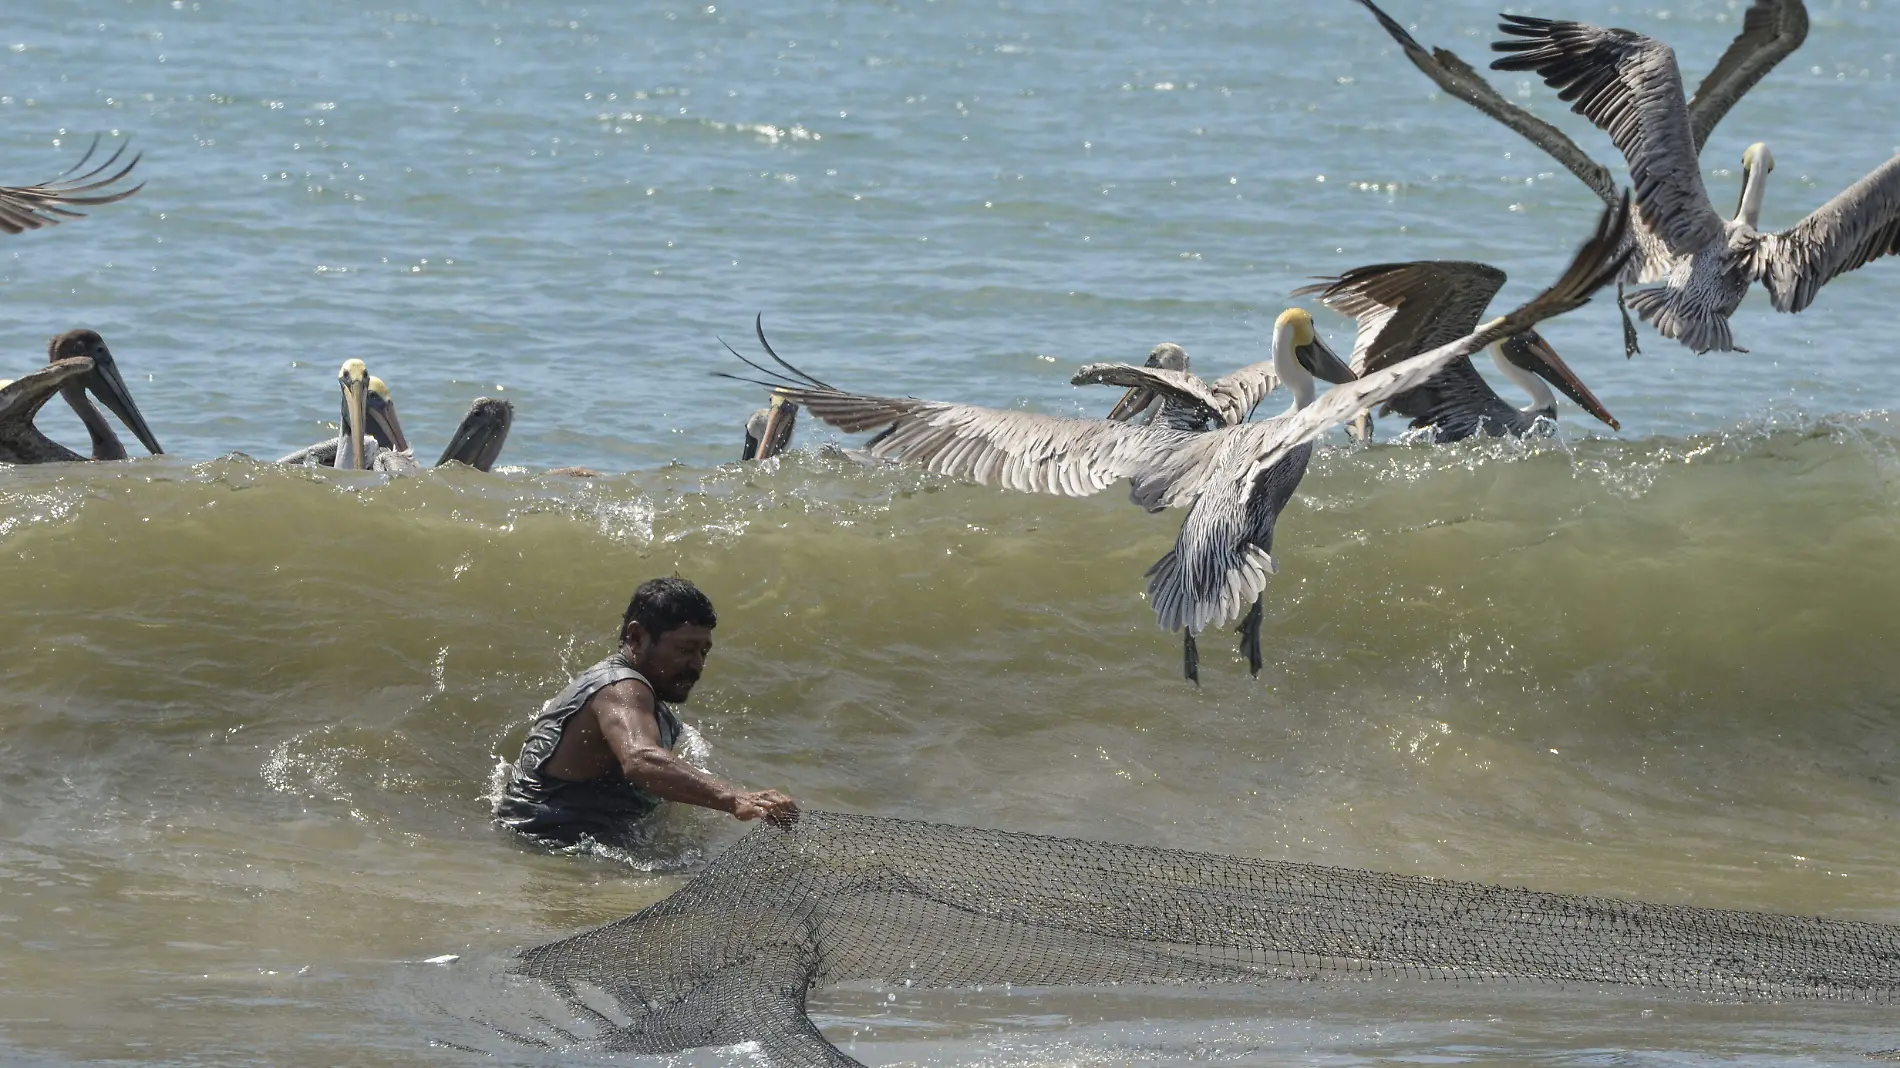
[(663, 604)]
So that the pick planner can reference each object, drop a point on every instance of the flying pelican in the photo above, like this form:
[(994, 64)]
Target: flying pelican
[(1628, 85), (768, 431), (1234, 481), (1223, 550), (1771, 30), (31, 207), (1404, 309)]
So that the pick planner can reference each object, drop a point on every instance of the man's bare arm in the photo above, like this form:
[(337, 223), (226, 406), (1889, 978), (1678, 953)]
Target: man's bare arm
[(632, 731)]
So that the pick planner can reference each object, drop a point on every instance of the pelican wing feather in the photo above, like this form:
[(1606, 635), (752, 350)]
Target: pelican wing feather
[(1628, 85), (31, 207), (1017, 450), (1595, 265), (1404, 309), (1182, 387), (1858, 226), (1456, 77), (1771, 30)]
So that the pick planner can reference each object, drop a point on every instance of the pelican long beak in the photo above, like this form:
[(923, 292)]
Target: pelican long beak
[(781, 416), (1318, 358), (1748, 173), (384, 424), (105, 384), (354, 380), (478, 440), (1134, 402), (1531, 352)]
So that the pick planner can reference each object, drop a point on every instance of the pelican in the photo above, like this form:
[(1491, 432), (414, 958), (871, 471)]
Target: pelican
[(1628, 85), (368, 406), (1175, 397), (1221, 559), (1234, 481), (1771, 30), (31, 207), (478, 439), (1404, 309), (768, 431), (20, 441), (105, 383)]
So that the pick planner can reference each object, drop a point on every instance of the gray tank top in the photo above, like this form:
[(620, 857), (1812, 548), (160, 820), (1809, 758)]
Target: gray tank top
[(535, 802)]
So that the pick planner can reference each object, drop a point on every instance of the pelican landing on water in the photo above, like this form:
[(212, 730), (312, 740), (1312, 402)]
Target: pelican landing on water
[(1234, 480), (27, 445), (1404, 309), (1628, 85), (1771, 30)]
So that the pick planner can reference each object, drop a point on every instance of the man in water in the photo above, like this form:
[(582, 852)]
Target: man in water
[(599, 757)]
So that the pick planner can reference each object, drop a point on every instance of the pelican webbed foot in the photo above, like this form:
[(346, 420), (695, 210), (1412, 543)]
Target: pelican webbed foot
[(1249, 631), (1190, 658)]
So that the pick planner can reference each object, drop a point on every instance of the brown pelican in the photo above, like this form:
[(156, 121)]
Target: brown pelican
[(20, 441), (105, 383), (1176, 397), (1628, 85), (367, 404), (478, 439), (1222, 558), (768, 431), (1771, 30), (31, 207), (1404, 309), (1234, 480)]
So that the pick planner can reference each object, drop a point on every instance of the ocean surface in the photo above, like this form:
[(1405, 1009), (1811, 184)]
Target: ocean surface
[(249, 717)]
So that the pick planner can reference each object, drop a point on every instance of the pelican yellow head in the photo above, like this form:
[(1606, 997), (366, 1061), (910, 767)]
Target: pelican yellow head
[(1757, 155), (1300, 322)]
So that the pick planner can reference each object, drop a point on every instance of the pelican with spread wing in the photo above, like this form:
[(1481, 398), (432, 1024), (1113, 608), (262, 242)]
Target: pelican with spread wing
[(1404, 309), (1628, 85), (1221, 560), (1234, 481), (1176, 397), (1771, 30)]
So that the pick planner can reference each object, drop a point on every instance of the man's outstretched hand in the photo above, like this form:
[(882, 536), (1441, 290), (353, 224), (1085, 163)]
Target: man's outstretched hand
[(769, 804)]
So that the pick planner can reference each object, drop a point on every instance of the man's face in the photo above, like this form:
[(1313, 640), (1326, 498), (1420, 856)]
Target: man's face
[(673, 662)]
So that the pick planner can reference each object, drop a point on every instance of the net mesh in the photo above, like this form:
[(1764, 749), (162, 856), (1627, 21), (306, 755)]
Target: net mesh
[(838, 899)]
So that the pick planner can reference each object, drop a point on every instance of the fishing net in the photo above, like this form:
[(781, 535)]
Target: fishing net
[(837, 899)]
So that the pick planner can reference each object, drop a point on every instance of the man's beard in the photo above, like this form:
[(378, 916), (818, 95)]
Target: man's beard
[(678, 691)]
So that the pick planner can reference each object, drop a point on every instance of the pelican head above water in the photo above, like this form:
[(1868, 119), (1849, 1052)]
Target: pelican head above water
[(105, 383), (768, 431), (1166, 356), (380, 412), (353, 380), (479, 438), (1529, 362)]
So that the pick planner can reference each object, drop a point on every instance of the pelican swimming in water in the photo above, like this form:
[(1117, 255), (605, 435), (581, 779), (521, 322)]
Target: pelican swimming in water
[(768, 431), (368, 425), (1174, 396), (479, 437), (1404, 309), (21, 400), (1234, 481), (103, 381), (1771, 30), (31, 207), (1628, 85)]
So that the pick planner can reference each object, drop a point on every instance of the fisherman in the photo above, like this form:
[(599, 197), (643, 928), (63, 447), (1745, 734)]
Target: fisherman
[(599, 757)]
